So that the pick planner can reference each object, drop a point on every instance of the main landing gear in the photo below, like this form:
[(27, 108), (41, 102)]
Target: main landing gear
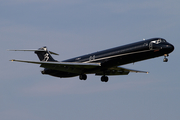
[(83, 77), (165, 58), (104, 78)]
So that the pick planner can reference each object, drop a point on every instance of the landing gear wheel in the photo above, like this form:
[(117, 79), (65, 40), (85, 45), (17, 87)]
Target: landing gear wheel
[(104, 78), (83, 77), (165, 59)]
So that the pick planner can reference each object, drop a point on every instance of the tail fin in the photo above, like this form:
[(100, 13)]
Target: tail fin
[(43, 54)]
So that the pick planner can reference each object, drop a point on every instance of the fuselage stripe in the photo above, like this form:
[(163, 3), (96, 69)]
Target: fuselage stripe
[(117, 56)]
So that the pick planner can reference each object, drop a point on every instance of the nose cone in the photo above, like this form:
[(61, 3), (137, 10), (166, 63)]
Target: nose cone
[(170, 47)]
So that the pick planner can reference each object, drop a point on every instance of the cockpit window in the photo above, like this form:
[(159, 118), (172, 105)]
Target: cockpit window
[(159, 41), (163, 40)]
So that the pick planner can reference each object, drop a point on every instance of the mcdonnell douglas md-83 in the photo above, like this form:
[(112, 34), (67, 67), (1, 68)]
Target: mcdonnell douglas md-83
[(104, 63)]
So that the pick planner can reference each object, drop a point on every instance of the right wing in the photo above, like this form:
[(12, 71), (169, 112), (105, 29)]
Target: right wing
[(119, 71)]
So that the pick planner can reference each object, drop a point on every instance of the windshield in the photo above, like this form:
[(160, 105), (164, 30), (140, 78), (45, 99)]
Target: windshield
[(159, 41)]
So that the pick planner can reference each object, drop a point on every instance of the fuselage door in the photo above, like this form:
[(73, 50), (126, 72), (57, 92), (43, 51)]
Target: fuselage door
[(151, 45)]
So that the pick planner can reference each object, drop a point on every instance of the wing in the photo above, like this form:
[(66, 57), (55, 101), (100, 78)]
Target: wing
[(119, 71), (72, 67), (131, 70)]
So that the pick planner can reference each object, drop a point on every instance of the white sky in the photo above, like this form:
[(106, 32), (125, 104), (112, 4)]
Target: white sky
[(72, 28)]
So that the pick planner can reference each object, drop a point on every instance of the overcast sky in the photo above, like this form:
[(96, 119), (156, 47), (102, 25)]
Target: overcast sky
[(76, 27)]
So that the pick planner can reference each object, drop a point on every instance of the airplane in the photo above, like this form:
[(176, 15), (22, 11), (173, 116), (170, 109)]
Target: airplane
[(103, 63)]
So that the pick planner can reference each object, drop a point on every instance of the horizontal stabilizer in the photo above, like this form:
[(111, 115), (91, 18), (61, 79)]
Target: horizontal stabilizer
[(40, 50)]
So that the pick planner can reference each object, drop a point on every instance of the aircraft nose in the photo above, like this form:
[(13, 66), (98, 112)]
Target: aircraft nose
[(170, 47)]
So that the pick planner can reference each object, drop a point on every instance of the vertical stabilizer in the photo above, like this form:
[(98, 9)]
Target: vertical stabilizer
[(44, 54)]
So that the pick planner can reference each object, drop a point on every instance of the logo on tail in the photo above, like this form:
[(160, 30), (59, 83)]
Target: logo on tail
[(46, 57)]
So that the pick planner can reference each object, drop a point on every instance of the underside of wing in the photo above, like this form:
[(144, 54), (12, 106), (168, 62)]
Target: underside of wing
[(72, 67), (78, 68), (118, 71), (131, 70)]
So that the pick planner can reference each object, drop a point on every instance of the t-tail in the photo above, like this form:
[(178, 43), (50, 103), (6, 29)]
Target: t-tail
[(43, 54)]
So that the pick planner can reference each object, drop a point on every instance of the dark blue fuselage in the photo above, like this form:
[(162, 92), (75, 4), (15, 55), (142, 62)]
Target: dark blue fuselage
[(121, 55), (128, 53)]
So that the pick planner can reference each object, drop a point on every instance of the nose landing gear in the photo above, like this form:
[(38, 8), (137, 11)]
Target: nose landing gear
[(165, 58)]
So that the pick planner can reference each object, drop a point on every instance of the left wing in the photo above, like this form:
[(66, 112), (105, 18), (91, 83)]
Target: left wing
[(60, 63), (72, 67), (78, 68)]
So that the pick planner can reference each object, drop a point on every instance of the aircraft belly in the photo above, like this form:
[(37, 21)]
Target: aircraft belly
[(57, 73)]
